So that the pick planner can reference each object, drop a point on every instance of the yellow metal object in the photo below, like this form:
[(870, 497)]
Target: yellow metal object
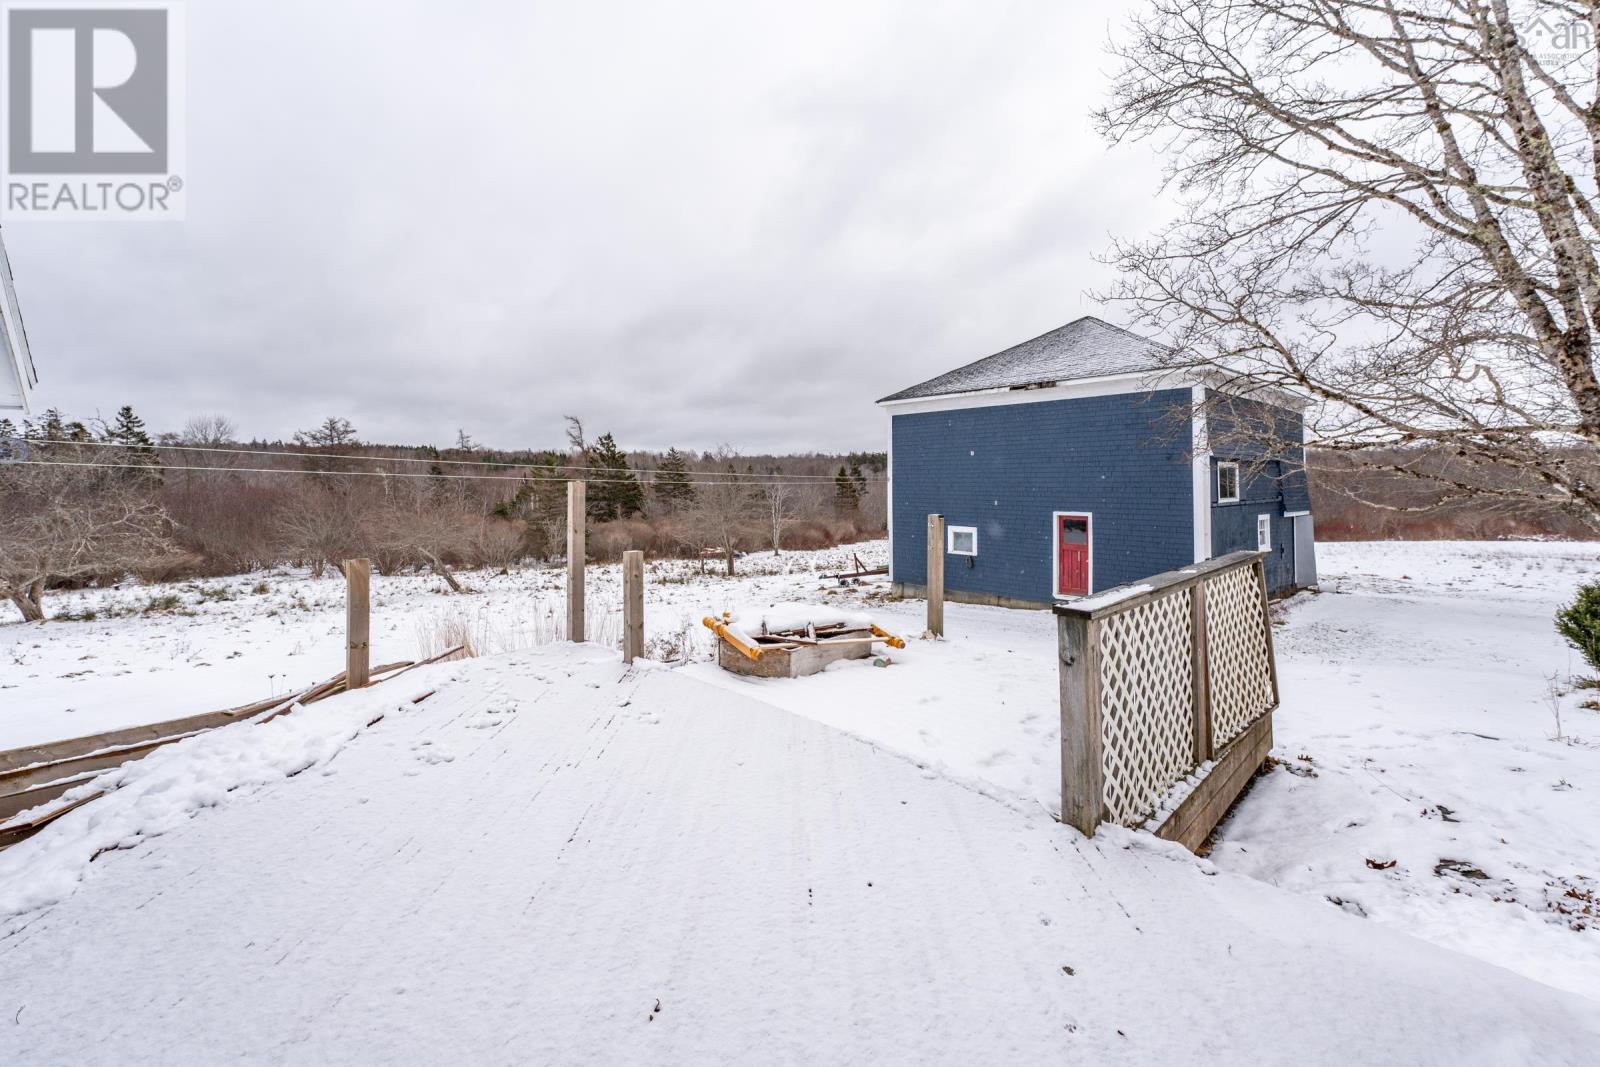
[(888, 638), (722, 630)]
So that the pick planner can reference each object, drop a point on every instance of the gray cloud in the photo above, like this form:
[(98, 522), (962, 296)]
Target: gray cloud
[(735, 222)]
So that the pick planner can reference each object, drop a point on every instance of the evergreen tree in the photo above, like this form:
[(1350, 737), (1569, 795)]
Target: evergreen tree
[(846, 496), (859, 478), (51, 428), (540, 504), (672, 484), (614, 491), (8, 429), (128, 430)]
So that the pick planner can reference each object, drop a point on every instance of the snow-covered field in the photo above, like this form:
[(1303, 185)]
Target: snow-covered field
[(1417, 730)]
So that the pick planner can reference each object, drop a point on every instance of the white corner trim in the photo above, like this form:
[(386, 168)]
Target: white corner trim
[(1109, 385), (17, 375), (1055, 552), (1200, 475), (888, 482)]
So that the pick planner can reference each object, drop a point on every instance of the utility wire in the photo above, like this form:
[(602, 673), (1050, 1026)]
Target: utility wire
[(797, 478), (509, 477)]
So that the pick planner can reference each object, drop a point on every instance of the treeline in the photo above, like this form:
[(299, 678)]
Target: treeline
[(1431, 494), (223, 506)]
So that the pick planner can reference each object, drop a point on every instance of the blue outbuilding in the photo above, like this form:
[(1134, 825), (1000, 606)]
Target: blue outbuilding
[(1086, 459)]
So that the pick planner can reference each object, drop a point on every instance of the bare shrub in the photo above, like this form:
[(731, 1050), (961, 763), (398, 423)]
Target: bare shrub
[(64, 523)]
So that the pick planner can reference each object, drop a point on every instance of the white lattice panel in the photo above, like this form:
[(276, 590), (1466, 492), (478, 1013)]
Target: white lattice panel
[(1236, 642), (1146, 725)]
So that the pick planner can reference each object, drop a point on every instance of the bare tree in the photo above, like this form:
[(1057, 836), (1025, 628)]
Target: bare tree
[(1389, 206), (331, 432), (721, 509), (62, 523), (208, 431), (318, 527), (782, 505), (575, 438)]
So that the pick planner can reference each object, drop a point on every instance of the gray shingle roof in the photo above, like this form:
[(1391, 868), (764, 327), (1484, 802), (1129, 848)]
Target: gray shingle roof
[(1083, 348)]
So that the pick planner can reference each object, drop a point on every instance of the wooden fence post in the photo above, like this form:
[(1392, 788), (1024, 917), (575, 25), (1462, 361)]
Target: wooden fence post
[(1200, 667), (576, 519), (1082, 770), (632, 605), (936, 575), (357, 623)]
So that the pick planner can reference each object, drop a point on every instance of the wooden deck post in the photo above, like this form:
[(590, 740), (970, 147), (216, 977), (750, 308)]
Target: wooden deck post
[(576, 519), (632, 605), (1200, 669), (1266, 623), (1082, 770), (936, 575), (357, 622)]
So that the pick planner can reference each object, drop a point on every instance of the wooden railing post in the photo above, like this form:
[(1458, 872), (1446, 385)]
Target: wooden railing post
[(632, 605), (576, 517), (1200, 668), (357, 623), (1082, 767), (1266, 623), (936, 575)]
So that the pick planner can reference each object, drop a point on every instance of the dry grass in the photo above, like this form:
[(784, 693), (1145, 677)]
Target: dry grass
[(486, 632)]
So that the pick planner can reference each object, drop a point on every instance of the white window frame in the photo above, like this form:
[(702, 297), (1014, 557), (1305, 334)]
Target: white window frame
[(1263, 533), (950, 540), (1055, 552), (1238, 485)]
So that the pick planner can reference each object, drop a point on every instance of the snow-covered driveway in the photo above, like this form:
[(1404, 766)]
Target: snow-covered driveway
[(556, 861)]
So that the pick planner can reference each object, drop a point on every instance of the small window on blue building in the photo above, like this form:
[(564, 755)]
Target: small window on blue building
[(962, 541), (1227, 483), (1263, 533)]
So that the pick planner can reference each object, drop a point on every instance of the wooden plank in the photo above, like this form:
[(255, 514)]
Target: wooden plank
[(43, 773), (1159, 585), (68, 748), (632, 605), (357, 622), (577, 518), (38, 782), (1266, 625), (1200, 812), (1082, 770), (12, 804), (936, 575), (1200, 673)]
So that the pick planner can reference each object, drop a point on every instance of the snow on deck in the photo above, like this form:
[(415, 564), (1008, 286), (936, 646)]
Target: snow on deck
[(553, 860)]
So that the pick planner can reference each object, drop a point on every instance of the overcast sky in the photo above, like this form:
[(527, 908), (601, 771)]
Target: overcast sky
[(689, 223)]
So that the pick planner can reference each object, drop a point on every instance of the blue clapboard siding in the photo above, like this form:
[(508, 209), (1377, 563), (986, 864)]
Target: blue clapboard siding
[(1268, 487), (1005, 469)]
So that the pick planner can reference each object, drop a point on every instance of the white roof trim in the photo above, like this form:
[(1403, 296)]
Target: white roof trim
[(19, 378), (1108, 385)]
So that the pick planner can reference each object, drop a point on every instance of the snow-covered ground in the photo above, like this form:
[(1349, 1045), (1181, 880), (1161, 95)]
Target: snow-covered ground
[(1423, 783), (138, 654), (1418, 684), (556, 860)]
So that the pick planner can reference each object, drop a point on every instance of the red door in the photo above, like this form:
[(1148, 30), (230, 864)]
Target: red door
[(1072, 544)]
